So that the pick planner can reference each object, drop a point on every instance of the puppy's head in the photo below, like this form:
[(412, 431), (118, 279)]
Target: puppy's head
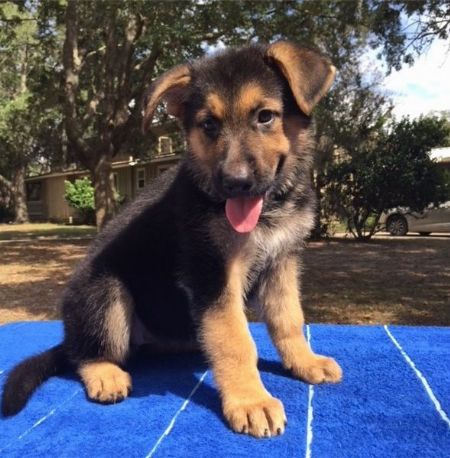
[(245, 112)]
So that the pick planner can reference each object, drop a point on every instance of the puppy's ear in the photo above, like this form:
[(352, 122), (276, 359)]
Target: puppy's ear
[(309, 75), (171, 87)]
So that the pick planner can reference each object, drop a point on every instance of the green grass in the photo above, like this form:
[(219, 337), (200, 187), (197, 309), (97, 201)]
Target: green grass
[(43, 231), (336, 227)]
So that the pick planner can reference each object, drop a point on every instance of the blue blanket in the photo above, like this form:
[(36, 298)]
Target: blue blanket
[(394, 402)]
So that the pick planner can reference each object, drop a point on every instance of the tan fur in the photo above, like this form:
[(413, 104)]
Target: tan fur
[(310, 76), (216, 105), (250, 97), (247, 405), (168, 87), (273, 145), (117, 325), (204, 153), (274, 142), (198, 145), (104, 381), (296, 132), (279, 296)]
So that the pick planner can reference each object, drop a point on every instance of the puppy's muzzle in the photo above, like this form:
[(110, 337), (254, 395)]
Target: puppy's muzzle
[(238, 183), (241, 179)]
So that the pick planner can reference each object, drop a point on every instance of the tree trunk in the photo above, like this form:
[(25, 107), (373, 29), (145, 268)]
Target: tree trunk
[(105, 203), (20, 196), (6, 194)]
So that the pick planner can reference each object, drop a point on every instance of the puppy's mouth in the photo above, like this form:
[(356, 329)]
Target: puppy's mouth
[(243, 212)]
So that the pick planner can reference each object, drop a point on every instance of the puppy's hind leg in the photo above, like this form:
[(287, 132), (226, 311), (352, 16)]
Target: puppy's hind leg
[(109, 335)]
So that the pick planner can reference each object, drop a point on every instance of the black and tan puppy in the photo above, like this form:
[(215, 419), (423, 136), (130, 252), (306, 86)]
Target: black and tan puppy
[(174, 269)]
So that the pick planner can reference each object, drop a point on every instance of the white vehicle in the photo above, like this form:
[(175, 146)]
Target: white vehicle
[(433, 219)]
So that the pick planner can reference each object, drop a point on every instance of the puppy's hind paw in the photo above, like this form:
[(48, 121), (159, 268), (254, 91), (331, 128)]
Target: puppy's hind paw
[(105, 382)]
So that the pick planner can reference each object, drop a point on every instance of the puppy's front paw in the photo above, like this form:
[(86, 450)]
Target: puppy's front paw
[(264, 417), (105, 382), (318, 369)]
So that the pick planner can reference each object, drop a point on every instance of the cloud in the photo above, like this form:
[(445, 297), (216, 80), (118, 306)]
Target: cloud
[(425, 86)]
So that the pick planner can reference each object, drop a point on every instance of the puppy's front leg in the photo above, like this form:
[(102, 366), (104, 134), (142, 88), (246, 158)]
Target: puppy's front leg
[(247, 405), (280, 299)]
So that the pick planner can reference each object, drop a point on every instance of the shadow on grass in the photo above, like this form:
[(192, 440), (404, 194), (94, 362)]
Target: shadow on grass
[(35, 234), (384, 281)]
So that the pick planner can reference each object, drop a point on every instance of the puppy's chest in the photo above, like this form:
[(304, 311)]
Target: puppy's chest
[(266, 245)]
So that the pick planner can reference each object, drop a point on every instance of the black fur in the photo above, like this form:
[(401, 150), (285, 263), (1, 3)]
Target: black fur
[(28, 375)]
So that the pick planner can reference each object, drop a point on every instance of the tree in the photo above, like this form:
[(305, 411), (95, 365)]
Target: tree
[(13, 107), (27, 119), (349, 120), (405, 28), (393, 171)]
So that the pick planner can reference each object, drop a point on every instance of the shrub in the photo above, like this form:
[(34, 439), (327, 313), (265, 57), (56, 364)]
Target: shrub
[(396, 171), (80, 195)]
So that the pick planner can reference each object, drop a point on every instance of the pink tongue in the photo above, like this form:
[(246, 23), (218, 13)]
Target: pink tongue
[(243, 212)]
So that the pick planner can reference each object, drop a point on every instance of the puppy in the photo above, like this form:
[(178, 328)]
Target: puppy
[(174, 269)]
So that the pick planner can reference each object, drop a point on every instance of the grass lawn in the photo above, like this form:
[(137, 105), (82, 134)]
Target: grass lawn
[(43, 230), (401, 281)]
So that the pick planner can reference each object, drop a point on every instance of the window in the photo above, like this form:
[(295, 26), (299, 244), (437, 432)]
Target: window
[(34, 191), (140, 178), (164, 145)]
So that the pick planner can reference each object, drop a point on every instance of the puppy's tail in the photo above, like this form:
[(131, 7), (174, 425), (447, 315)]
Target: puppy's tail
[(28, 375)]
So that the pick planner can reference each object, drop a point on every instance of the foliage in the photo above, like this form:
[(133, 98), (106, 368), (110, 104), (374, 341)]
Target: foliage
[(349, 120), (402, 29), (393, 171), (29, 117), (80, 195), (83, 69)]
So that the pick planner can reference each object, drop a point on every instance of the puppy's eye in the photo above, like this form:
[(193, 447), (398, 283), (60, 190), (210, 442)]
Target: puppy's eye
[(209, 125), (266, 117)]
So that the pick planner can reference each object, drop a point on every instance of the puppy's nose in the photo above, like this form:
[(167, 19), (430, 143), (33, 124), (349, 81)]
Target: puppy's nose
[(237, 182)]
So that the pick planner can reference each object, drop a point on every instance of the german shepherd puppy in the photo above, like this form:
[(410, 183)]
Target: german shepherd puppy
[(174, 269)]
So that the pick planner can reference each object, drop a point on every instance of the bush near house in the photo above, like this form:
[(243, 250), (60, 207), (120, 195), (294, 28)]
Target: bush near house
[(80, 196)]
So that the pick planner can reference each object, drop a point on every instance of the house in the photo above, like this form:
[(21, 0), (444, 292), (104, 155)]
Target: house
[(442, 157), (45, 193)]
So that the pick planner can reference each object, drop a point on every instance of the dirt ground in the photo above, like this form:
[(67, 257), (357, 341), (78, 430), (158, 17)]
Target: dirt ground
[(402, 281), (389, 280)]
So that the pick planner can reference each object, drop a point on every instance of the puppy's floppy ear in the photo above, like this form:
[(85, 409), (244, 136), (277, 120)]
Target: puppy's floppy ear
[(309, 75), (170, 87)]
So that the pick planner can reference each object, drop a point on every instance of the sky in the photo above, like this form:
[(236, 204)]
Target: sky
[(425, 86)]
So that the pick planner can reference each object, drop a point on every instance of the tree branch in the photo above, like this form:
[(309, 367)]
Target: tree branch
[(72, 64), (133, 32)]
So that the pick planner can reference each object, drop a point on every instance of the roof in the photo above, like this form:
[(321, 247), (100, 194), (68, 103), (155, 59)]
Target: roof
[(131, 162)]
